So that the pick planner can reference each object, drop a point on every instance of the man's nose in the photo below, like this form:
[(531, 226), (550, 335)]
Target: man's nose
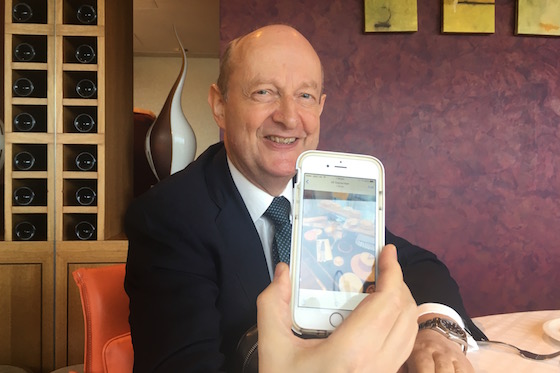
[(286, 112)]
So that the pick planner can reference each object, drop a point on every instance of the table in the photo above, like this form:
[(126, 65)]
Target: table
[(523, 329)]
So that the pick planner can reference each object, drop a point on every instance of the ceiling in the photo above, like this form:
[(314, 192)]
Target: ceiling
[(197, 23)]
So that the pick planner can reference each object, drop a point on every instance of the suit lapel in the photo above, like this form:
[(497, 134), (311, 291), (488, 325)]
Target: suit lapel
[(242, 245)]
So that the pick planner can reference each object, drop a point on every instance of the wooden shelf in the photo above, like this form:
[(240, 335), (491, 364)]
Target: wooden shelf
[(78, 67), (37, 270), (29, 66)]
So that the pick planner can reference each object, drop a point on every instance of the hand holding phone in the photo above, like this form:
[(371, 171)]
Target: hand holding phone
[(338, 231), (377, 337)]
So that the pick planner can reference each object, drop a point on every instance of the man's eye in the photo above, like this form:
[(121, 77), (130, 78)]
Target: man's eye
[(263, 95), (308, 98)]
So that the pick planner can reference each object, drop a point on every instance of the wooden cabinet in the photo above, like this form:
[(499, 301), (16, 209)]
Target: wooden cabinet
[(68, 124), (26, 305)]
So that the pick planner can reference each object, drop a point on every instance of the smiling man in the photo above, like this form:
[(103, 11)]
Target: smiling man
[(269, 105), (199, 244)]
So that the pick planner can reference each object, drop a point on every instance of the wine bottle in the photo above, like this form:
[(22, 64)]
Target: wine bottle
[(24, 122), (84, 230), (29, 83), (86, 88), (85, 161), (80, 192), (24, 52), (85, 53), (85, 196), (24, 160), (29, 118), (23, 87), (29, 48), (84, 122), (29, 192), (86, 14), (24, 196), (22, 12), (25, 230)]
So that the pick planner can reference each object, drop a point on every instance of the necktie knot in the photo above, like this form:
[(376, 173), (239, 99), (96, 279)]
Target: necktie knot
[(279, 213)]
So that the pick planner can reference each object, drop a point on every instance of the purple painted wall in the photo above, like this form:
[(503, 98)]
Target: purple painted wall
[(468, 127)]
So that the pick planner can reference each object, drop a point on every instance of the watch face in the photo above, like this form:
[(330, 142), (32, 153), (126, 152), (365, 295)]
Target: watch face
[(448, 328)]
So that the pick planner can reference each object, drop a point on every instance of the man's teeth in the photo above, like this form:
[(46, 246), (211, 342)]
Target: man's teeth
[(282, 140)]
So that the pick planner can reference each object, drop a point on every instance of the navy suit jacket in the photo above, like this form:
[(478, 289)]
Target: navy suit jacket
[(196, 266)]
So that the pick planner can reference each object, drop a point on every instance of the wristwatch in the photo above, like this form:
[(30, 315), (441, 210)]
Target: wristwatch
[(448, 328)]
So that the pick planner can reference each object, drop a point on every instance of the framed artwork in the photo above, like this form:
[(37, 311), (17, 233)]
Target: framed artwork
[(391, 15), (538, 17), (469, 16)]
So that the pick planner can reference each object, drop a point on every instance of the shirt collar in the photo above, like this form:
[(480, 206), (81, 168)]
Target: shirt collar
[(256, 200)]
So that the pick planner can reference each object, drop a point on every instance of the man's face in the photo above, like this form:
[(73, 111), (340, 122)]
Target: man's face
[(273, 106)]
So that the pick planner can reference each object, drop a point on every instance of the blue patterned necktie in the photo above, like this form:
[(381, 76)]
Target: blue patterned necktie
[(279, 213)]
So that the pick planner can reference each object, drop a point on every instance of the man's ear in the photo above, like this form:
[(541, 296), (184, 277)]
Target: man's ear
[(217, 105), (322, 103)]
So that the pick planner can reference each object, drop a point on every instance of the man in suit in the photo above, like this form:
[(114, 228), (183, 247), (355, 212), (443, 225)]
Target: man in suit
[(200, 247)]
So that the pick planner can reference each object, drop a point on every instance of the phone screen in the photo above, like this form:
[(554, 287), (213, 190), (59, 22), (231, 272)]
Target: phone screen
[(338, 243)]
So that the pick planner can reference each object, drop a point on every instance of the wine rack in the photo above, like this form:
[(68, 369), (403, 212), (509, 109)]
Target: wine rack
[(60, 125), (60, 214), (81, 94)]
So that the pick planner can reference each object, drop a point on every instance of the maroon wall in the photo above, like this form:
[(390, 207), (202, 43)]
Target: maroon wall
[(468, 128)]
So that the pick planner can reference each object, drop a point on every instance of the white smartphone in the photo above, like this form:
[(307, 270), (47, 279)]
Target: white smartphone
[(338, 231)]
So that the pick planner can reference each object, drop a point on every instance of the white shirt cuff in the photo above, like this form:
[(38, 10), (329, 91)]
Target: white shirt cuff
[(442, 309)]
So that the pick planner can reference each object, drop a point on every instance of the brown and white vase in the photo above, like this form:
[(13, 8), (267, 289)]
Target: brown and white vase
[(170, 141)]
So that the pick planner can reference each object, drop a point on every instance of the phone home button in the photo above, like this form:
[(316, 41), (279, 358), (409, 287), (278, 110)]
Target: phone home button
[(336, 319)]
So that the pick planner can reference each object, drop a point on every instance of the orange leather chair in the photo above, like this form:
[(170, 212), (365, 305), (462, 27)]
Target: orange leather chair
[(108, 345)]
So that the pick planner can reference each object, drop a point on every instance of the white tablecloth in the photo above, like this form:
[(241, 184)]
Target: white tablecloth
[(523, 329)]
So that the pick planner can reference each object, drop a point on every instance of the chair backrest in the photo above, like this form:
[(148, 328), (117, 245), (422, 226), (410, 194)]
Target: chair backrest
[(108, 346)]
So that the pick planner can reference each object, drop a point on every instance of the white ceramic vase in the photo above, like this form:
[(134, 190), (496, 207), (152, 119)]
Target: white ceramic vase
[(170, 141)]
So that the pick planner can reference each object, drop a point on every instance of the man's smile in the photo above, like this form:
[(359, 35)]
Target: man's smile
[(282, 140)]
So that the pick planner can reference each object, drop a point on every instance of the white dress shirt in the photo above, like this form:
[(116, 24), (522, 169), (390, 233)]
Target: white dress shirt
[(257, 201)]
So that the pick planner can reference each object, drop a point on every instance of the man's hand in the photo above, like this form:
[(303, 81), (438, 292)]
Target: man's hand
[(433, 352), (378, 336)]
